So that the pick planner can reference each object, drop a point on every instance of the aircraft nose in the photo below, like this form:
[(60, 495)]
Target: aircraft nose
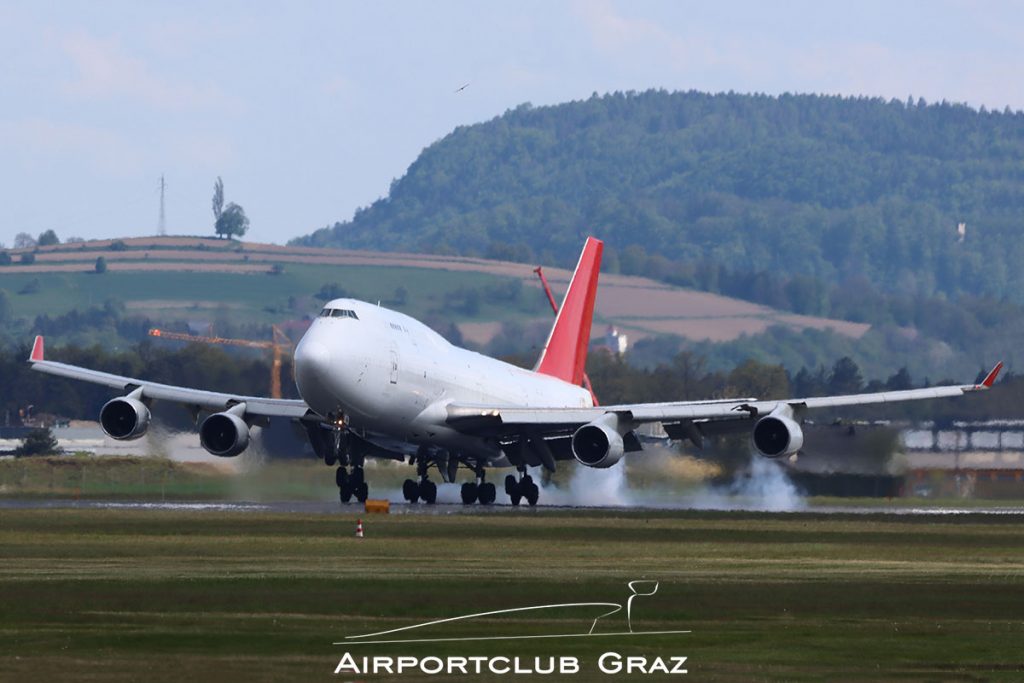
[(312, 364), (312, 356)]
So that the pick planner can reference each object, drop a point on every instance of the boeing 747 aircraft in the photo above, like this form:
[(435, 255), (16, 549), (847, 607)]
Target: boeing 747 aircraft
[(378, 383)]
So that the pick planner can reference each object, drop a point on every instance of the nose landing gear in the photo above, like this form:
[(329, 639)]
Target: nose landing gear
[(351, 484)]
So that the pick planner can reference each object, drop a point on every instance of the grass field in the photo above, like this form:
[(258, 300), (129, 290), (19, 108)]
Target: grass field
[(182, 595)]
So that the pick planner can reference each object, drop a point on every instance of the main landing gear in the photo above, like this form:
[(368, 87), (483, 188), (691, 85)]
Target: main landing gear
[(482, 491), (351, 484), (523, 488), (424, 489)]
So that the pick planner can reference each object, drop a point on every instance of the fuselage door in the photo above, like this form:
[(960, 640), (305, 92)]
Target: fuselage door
[(394, 365)]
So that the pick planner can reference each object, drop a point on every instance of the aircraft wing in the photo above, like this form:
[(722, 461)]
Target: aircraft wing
[(207, 400), (678, 419)]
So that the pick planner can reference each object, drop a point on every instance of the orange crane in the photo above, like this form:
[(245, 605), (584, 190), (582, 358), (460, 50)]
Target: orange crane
[(278, 346)]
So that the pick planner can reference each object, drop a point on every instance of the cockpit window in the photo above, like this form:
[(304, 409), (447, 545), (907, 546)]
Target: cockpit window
[(338, 313)]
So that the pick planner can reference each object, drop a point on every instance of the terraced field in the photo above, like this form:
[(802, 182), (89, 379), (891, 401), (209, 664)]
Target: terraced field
[(163, 276)]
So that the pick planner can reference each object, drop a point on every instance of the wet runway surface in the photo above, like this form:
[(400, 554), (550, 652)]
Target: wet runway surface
[(332, 507)]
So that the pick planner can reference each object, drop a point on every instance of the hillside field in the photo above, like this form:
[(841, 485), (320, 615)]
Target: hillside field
[(178, 278)]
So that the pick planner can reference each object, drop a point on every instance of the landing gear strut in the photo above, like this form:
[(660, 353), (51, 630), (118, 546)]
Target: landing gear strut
[(524, 488)]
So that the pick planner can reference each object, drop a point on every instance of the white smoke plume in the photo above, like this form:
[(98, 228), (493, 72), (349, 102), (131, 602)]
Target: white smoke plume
[(763, 486)]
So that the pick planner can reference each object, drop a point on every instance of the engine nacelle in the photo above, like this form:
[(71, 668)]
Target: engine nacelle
[(778, 434), (599, 443), (124, 418), (224, 434)]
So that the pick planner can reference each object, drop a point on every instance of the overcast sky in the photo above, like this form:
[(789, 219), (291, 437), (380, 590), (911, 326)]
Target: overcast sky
[(308, 110)]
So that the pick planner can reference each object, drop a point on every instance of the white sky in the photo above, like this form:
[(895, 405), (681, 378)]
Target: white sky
[(308, 110)]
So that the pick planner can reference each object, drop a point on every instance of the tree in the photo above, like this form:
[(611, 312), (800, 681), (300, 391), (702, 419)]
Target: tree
[(38, 442), (218, 199), (23, 240), (901, 380), (48, 238), (332, 290), (5, 258), (28, 258), (846, 377), (753, 378), (101, 265), (232, 221)]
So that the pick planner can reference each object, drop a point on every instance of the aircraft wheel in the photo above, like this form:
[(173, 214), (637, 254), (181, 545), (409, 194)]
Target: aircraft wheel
[(469, 493), (345, 493), (411, 490), (531, 493), (362, 492), (357, 477), (331, 459), (341, 477), (487, 493), (516, 494), (510, 484), (428, 491)]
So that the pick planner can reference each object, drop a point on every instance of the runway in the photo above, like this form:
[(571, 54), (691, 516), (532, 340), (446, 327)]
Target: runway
[(335, 508)]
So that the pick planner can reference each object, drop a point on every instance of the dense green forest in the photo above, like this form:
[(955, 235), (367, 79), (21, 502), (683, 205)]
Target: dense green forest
[(843, 207), (828, 189)]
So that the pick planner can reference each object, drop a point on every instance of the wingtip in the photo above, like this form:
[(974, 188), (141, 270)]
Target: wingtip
[(37, 349), (990, 378)]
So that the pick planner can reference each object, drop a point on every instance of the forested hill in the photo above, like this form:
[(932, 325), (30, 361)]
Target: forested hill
[(842, 190)]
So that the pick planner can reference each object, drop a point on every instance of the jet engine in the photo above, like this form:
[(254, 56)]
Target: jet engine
[(777, 434), (225, 434), (599, 443), (124, 418)]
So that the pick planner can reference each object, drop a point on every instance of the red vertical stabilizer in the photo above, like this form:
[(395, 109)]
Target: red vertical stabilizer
[(565, 353)]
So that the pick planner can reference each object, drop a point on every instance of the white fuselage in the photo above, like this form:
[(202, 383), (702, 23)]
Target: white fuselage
[(387, 373)]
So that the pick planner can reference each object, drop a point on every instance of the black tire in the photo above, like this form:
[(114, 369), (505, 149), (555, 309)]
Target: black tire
[(330, 459), (516, 494), (488, 493), (531, 494), (469, 493), (428, 491), (357, 477), (411, 490), (345, 493), (362, 492), (510, 484), (341, 477), (526, 480)]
